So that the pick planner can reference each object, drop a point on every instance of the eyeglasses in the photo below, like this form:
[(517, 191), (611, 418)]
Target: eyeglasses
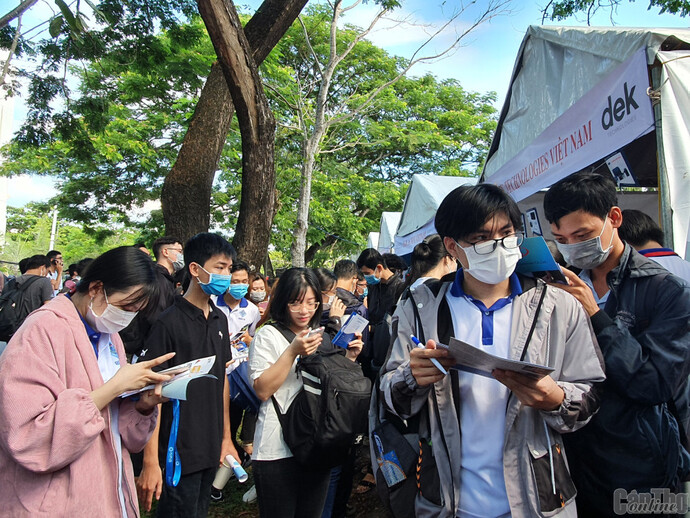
[(296, 307), (179, 250), (507, 242)]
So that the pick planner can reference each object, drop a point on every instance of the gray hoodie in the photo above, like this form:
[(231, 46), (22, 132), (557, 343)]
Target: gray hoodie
[(563, 339)]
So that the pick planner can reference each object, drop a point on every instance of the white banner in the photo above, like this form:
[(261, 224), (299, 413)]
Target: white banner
[(405, 244), (612, 114)]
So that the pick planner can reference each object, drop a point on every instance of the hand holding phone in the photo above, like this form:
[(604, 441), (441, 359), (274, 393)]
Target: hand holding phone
[(314, 332)]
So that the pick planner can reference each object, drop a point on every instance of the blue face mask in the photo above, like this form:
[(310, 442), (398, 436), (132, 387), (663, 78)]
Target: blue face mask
[(372, 279), (217, 284), (237, 291), (364, 294)]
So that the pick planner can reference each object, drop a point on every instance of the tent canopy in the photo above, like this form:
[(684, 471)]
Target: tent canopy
[(389, 224), (562, 71), (373, 240), (425, 194)]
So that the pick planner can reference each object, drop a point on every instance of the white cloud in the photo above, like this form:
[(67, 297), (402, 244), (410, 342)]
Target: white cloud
[(25, 188)]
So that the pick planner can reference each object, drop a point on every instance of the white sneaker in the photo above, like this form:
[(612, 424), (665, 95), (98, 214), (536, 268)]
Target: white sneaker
[(250, 496)]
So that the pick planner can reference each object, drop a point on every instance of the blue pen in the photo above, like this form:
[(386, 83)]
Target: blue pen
[(433, 360)]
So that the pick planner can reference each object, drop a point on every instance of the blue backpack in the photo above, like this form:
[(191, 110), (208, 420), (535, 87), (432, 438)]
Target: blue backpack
[(242, 389)]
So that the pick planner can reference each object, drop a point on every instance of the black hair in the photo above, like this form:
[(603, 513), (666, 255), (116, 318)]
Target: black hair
[(292, 287), (345, 269), (53, 254), (22, 265), (586, 191), (371, 258), (467, 208), (72, 269), (238, 265), (327, 278), (120, 269), (201, 247), (426, 256), (84, 264), (161, 242), (36, 261), (256, 276), (638, 229), (139, 245), (395, 263)]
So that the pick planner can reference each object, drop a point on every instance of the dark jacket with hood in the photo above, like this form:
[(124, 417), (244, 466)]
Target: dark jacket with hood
[(352, 305), (634, 441)]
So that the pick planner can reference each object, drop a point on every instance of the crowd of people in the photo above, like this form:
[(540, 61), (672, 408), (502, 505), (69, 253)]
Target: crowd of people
[(612, 415)]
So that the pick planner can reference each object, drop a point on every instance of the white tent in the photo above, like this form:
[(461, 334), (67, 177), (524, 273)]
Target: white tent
[(425, 194), (373, 240), (389, 224), (581, 98)]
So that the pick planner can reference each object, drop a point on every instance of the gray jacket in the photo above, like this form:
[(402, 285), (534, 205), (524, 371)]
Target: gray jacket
[(562, 338)]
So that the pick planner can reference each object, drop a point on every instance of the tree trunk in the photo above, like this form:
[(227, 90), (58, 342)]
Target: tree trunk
[(299, 243), (309, 255), (257, 126), (186, 196)]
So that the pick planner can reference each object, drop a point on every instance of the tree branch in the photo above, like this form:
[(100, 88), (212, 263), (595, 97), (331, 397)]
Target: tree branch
[(13, 48), (16, 12)]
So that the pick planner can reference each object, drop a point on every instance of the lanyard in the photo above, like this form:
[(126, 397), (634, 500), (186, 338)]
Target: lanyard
[(173, 466)]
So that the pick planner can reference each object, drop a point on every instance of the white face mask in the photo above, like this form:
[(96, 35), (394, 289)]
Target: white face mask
[(178, 263), (586, 254), (257, 296), (491, 268), (327, 305), (112, 320)]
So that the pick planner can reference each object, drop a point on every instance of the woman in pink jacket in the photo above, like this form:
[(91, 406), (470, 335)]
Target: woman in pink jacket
[(65, 434)]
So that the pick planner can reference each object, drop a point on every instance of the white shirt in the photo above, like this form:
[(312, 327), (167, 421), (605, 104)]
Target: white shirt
[(54, 276), (244, 317), (482, 414), (109, 364), (673, 263), (267, 346)]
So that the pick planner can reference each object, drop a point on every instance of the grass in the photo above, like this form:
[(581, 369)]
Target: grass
[(231, 505)]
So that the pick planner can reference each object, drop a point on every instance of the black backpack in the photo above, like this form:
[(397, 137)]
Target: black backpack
[(323, 420), (13, 306)]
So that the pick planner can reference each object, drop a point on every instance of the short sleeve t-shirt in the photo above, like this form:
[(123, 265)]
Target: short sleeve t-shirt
[(183, 329), (53, 276), (267, 346), (37, 293), (244, 317)]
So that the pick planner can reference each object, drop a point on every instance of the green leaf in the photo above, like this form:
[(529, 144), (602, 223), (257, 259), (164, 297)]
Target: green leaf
[(55, 26), (69, 17)]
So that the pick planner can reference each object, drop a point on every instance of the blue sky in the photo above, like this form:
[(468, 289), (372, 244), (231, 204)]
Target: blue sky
[(483, 63)]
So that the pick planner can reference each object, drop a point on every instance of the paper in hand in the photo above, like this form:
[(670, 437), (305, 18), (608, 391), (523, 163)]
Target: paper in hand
[(354, 324), (537, 261), (176, 388), (477, 361)]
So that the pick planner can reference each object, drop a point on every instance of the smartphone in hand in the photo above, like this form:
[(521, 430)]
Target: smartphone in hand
[(314, 332)]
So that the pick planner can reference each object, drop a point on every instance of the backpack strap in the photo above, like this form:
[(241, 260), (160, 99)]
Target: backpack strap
[(287, 334), (534, 323)]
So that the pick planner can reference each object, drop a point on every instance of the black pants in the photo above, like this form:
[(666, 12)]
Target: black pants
[(285, 489), (191, 497)]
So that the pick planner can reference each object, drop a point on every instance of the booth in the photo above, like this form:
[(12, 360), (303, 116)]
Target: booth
[(611, 100), (389, 224), (425, 194)]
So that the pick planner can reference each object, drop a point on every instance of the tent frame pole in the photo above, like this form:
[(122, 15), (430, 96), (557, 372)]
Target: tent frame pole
[(665, 209)]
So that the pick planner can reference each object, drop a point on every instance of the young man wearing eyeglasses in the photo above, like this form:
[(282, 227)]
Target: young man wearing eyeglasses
[(491, 445), (640, 314)]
